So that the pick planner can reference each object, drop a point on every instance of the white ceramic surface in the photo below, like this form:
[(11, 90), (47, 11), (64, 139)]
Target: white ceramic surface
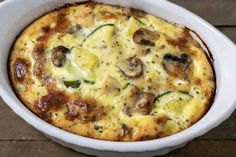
[(16, 14)]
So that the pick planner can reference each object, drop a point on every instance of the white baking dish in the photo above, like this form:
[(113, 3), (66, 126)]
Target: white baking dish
[(17, 14)]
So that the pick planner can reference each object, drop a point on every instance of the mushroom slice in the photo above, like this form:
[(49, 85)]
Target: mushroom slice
[(111, 85), (178, 66), (144, 103), (161, 119), (125, 131), (74, 29), (20, 68), (85, 110), (146, 37), (59, 56), (131, 67)]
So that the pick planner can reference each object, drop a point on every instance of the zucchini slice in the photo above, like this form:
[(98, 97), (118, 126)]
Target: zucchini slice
[(98, 128), (89, 82), (173, 102), (95, 30), (141, 22), (126, 85), (101, 38), (84, 63), (72, 84), (161, 95)]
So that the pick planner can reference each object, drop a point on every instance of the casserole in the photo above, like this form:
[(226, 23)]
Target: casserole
[(144, 80), (223, 62)]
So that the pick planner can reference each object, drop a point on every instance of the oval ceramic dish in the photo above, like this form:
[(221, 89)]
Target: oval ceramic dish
[(16, 15)]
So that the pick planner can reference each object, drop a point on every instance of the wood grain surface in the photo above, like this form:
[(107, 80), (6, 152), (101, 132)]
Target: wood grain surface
[(17, 138)]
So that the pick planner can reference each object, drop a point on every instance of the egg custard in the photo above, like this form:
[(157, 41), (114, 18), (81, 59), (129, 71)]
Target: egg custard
[(111, 73)]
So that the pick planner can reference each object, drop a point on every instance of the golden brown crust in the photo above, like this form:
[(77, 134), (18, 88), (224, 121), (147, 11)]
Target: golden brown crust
[(111, 73)]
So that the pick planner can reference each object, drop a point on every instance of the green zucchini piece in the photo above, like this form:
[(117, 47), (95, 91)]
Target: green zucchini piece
[(98, 128), (72, 84), (173, 102), (139, 21), (187, 93), (89, 82), (161, 95), (110, 24), (126, 85)]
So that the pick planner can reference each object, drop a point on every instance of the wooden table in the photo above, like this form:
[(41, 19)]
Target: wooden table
[(17, 138)]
